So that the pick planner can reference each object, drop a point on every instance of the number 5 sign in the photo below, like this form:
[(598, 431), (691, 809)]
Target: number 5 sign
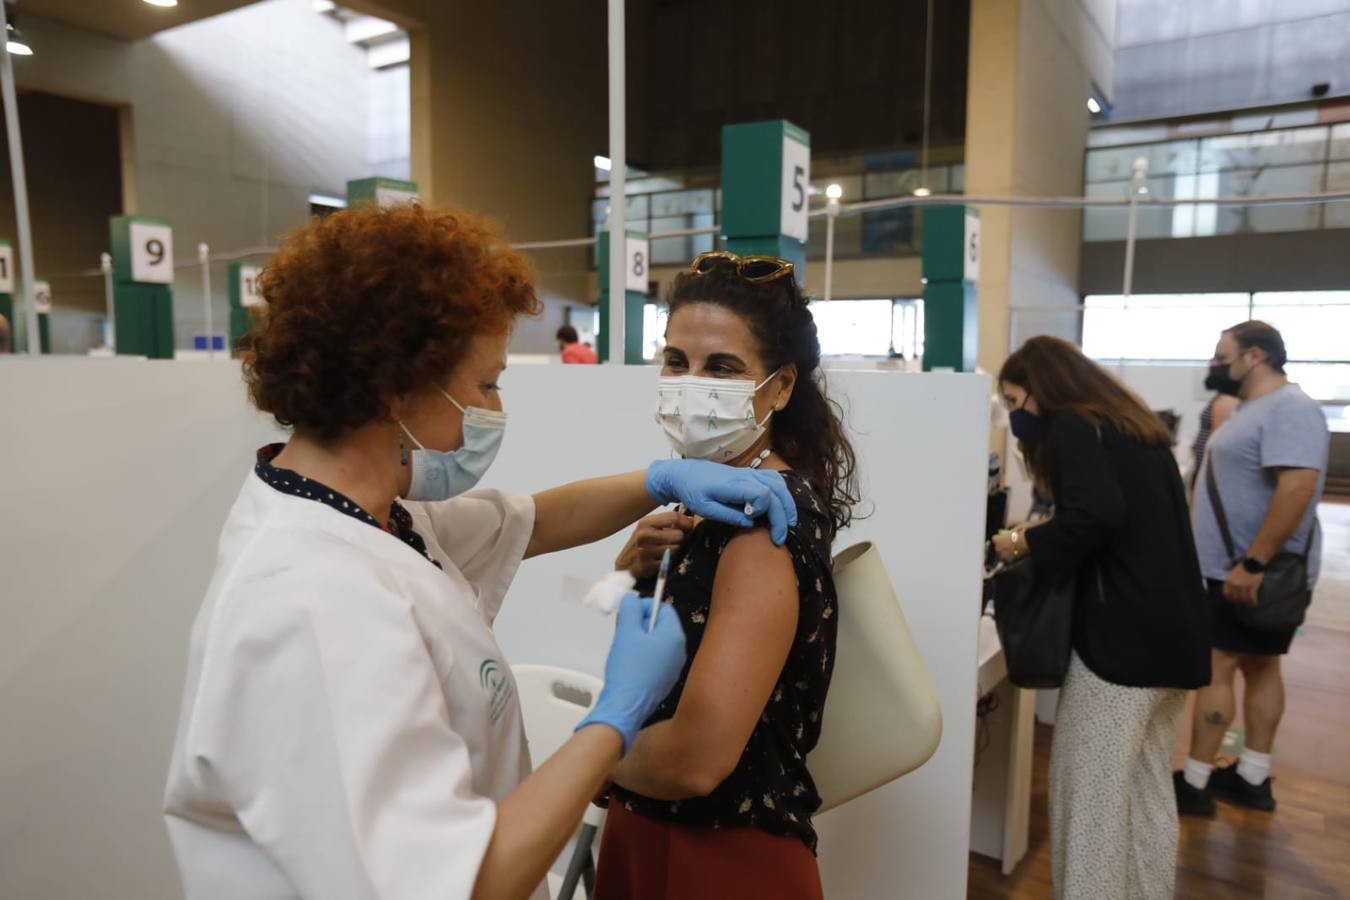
[(796, 179), (151, 253)]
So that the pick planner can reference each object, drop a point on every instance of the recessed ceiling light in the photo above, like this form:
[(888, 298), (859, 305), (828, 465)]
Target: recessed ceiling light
[(162, 2), (1093, 106), (922, 192)]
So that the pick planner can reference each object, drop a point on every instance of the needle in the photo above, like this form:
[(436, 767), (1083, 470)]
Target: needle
[(659, 594)]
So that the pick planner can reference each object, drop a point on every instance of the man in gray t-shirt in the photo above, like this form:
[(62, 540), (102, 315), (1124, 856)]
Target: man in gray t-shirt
[(1270, 462)]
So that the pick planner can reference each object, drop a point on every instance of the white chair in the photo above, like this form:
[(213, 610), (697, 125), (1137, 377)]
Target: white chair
[(882, 718), (552, 702)]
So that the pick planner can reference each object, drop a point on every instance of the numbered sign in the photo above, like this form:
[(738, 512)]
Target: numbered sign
[(796, 179), (390, 196), (151, 253), (249, 295), (42, 296), (971, 247), (6, 269), (638, 266)]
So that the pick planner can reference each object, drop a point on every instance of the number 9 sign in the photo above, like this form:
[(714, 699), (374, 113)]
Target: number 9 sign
[(151, 253)]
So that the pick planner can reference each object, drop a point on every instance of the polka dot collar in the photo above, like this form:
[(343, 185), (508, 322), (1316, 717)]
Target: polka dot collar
[(289, 482)]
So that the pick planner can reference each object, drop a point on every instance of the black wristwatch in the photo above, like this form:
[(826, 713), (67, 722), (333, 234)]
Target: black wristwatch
[(1253, 565)]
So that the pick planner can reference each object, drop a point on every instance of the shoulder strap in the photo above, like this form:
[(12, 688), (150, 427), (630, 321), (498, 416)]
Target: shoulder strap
[(1217, 502)]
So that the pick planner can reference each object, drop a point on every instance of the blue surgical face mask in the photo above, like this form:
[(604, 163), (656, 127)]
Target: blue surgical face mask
[(1026, 426), (442, 474)]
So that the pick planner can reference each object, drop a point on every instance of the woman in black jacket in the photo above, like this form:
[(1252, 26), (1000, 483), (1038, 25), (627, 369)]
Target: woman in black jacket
[(1121, 530)]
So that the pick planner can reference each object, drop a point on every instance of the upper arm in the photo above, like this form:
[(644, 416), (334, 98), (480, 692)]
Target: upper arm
[(1223, 408), (751, 626), (1295, 437), (326, 730), (1299, 481)]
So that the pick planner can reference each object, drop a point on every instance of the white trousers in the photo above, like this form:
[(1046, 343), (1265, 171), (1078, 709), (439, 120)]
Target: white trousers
[(1113, 813)]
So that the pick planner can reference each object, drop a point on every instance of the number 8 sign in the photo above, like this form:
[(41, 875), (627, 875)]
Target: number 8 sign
[(151, 253)]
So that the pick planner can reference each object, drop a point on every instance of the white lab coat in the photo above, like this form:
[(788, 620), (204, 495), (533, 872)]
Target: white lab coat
[(348, 720)]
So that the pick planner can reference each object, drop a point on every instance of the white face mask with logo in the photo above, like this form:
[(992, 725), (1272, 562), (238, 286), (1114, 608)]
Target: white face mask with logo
[(709, 418)]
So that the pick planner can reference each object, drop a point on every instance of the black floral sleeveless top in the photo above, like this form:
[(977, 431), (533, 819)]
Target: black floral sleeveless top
[(770, 788)]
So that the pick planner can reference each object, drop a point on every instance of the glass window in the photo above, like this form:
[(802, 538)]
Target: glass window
[(654, 319), (1159, 326), (1291, 146), (854, 327), (1117, 163), (1258, 182), (1340, 142), (907, 328), (1315, 325)]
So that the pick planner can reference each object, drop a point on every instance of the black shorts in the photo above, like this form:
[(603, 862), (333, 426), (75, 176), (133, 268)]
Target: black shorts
[(1231, 635)]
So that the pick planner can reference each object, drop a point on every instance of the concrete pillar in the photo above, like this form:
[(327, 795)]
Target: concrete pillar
[(508, 111), (1032, 65)]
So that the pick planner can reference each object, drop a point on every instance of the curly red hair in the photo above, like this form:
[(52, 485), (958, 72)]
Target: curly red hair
[(370, 304)]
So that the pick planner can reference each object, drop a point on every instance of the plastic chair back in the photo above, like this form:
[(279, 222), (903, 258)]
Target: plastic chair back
[(552, 702), (882, 719)]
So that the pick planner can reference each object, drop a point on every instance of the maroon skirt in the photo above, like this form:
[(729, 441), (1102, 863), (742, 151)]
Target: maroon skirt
[(643, 859)]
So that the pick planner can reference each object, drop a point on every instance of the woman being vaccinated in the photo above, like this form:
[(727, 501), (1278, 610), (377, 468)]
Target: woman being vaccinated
[(715, 799)]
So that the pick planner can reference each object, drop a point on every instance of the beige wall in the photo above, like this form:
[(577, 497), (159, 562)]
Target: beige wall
[(1032, 65), (509, 105)]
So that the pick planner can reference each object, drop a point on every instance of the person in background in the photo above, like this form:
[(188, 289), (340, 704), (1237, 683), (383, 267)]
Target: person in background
[(715, 801), (4, 335), (1140, 632), (573, 351), (1270, 465), (1215, 413)]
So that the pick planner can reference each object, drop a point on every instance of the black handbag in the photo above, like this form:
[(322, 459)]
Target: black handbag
[(1034, 617), (1284, 596)]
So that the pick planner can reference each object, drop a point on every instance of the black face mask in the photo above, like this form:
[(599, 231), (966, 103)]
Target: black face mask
[(1220, 380), (1026, 427)]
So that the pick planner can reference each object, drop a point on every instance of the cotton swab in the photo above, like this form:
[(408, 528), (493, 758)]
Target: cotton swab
[(658, 596)]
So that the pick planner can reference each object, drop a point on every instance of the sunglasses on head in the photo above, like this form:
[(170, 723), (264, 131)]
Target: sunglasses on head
[(755, 269)]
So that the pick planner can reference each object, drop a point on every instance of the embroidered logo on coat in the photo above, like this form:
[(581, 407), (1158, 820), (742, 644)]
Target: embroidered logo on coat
[(498, 686)]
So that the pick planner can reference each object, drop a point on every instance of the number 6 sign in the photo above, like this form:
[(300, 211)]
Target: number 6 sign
[(151, 253)]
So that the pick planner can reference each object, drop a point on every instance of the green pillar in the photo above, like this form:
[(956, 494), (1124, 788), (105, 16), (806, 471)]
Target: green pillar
[(380, 191), (951, 266), (766, 174), (638, 268), (242, 276), (142, 276)]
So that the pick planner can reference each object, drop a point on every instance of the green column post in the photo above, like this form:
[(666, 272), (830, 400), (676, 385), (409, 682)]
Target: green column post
[(766, 174), (380, 191), (242, 276), (638, 268), (951, 266), (142, 258)]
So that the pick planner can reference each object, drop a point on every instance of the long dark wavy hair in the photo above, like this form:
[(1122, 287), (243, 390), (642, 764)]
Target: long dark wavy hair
[(1062, 379), (808, 433)]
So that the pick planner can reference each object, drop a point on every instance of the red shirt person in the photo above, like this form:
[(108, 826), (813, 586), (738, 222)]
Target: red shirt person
[(573, 351)]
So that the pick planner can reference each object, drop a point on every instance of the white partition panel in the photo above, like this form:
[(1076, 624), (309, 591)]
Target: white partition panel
[(922, 442), (115, 476)]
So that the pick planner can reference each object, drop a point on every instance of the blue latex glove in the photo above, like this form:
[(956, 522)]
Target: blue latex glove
[(723, 493), (641, 670)]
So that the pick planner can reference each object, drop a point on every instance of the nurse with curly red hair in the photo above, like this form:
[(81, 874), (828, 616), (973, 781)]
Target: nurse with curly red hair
[(349, 726)]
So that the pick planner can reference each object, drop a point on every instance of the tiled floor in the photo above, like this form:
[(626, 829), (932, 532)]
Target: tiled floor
[(1303, 848)]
